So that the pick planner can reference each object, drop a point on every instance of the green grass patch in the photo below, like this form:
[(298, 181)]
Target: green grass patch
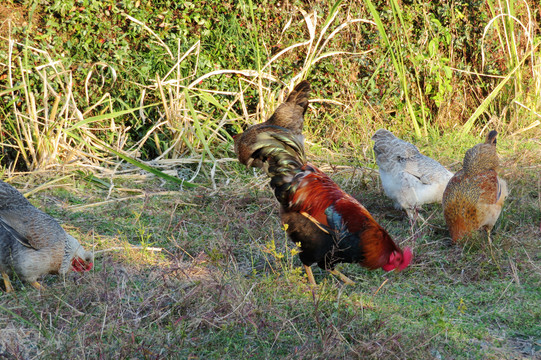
[(110, 110), (195, 272)]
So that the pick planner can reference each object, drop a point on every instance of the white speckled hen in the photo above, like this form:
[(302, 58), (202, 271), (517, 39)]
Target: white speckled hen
[(33, 244), (408, 177)]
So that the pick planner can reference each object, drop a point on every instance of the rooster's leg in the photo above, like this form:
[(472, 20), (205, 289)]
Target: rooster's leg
[(37, 285), (310, 275), (342, 277), (9, 288)]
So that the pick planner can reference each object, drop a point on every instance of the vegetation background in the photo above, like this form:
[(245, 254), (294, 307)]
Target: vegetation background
[(117, 118)]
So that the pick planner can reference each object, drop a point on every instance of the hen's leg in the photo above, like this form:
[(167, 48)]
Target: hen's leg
[(310, 275), (342, 277), (413, 215), (37, 285), (419, 215), (9, 288), (490, 245)]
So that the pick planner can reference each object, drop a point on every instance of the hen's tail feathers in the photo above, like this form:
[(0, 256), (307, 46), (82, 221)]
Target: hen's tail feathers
[(299, 95), (11, 198)]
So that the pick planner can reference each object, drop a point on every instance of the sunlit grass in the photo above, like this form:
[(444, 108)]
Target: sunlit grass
[(214, 272), (207, 271)]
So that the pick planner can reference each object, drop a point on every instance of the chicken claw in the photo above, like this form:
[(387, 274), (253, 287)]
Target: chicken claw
[(310, 275), (9, 287), (342, 277)]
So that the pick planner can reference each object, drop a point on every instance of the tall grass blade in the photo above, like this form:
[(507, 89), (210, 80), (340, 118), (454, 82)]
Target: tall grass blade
[(397, 59), (484, 105), (108, 116), (41, 329), (197, 125), (150, 169)]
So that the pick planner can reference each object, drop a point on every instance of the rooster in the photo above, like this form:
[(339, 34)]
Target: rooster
[(329, 225), (408, 177), (474, 197), (33, 244), (289, 115)]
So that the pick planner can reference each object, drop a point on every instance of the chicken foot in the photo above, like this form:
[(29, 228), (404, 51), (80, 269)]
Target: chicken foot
[(335, 272), (413, 215), (9, 287), (310, 275), (37, 285), (491, 247), (342, 277)]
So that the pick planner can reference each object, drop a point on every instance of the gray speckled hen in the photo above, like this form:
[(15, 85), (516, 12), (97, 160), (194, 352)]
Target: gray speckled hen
[(408, 177), (32, 243)]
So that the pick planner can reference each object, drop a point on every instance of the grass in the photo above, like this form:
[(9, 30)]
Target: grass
[(107, 130), (163, 82), (216, 289)]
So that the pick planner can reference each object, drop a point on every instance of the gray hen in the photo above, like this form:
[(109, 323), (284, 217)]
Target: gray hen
[(32, 243), (408, 177)]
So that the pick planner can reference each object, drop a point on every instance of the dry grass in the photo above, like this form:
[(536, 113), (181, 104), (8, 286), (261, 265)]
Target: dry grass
[(213, 289), (207, 272)]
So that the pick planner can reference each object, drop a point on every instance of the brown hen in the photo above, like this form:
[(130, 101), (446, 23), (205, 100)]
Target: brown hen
[(474, 196)]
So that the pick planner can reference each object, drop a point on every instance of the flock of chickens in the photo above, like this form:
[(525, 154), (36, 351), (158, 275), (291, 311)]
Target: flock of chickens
[(328, 225), (332, 227)]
